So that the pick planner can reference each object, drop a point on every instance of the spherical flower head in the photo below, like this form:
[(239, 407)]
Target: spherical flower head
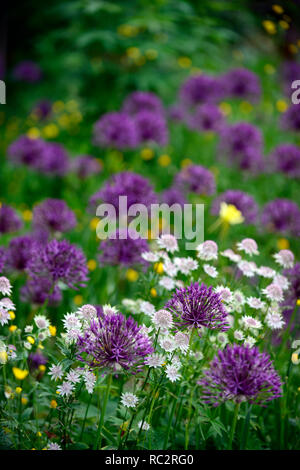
[(53, 215), (135, 187), (172, 196), (54, 446), (115, 130), (19, 252), (196, 306), (273, 292), (290, 73), (207, 250), (54, 160), (285, 258), (5, 286), (168, 242), (9, 220), (286, 158), (201, 89), (282, 215), (240, 373), (27, 71), (151, 127), (124, 249), (114, 342), (163, 319), (26, 151), (248, 246), (242, 83), (242, 201), (2, 258), (129, 400), (38, 290), (290, 120), (59, 261), (196, 179), (206, 117), (85, 166), (229, 214), (142, 101)]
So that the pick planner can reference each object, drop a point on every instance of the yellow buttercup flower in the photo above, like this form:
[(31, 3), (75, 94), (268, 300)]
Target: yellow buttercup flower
[(91, 265), (133, 52), (12, 315), (33, 133), (151, 54), (53, 404), (269, 69), (42, 367), (283, 244), (39, 434), (153, 292), (281, 106), (50, 131), (230, 214), (27, 215), (225, 108), (24, 401), (93, 223), (18, 390), (30, 339), (52, 330), (284, 24), (184, 62), (298, 302), (147, 154), (158, 268), (78, 299), (164, 160), (20, 374), (185, 162), (269, 26), (278, 9), (132, 275), (12, 328)]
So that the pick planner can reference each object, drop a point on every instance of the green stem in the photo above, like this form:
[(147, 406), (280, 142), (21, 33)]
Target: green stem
[(233, 426), (101, 420), (85, 417), (170, 422)]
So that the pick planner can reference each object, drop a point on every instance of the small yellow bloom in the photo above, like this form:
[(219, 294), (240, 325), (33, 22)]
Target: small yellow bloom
[(58, 106), (53, 404), (246, 107), (57, 392), (93, 223), (230, 214), (158, 268), (12, 328), (269, 69), (225, 108), (42, 367), (298, 302), (18, 390), (78, 299), (153, 292), (277, 8), (3, 357), (132, 275), (27, 215), (133, 52), (24, 401), (39, 434), (151, 54), (283, 244), (147, 154), (52, 330), (92, 265), (127, 30), (30, 339), (33, 133), (12, 315), (284, 24), (269, 26), (295, 358), (185, 162), (50, 131), (20, 374), (184, 62), (281, 106), (164, 160)]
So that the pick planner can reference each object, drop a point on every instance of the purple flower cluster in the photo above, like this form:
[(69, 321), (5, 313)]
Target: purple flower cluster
[(85, 166), (172, 196), (142, 101), (244, 202), (290, 120), (286, 158), (2, 258), (19, 252), (27, 71), (290, 73), (116, 130), (137, 189), (53, 215), (125, 249), (114, 342), (201, 89), (42, 109), (282, 215), (58, 261), (242, 83), (9, 220), (151, 127), (206, 117), (240, 373), (196, 179), (36, 359), (196, 306), (40, 289)]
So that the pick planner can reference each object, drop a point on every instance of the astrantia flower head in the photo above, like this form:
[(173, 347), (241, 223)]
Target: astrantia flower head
[(282, 215), (275, 320), (210, 270), (196, 179), (56, 372), (65, 389), (207, 250), (273, 292), (116, 130), (163, 319), (266, 272), (196, 306), (41, 321), (238, 374), (242, 201), (5, 286), (142, 101), (248, 268), (87, 312), (114, 342), (172, 373), (9, 220), (185, 265), (168, 242), (124, 249), (250, 322), (249, 246), (53, 215), (129, 400), (155, 360), (285, 258)]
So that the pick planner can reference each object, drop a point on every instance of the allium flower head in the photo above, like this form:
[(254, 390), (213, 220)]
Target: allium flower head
[(286, 158), (290, 120), (142, 101), (282, 215), (196, 179), (26, 151), (53, 160), (172, 196), (27, 71), (201, 89), (196, 306), (242, 83), (53, 215), (151, 127), (2, 258), (38, 290), (238, 374), (242, 201), (206, 117), (19, 252), (116, 130), (9, 220), (85, 166), (125, 249), (115, 342)]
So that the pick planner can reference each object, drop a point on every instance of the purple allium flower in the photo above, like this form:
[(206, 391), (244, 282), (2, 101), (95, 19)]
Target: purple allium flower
[(290, 120), (27, 71), (286, 158), (58, 261), (151, 127), (123, 249), (291, 72), (201, 89), (142, 101), (282, 215), (196, 306), (26, 151), (240, 373), (172, 196), (2, 258), (42, 109), (53, 215), (86, 165), (242, 83), (115, 129), (114, 342), (207, 117), (19, 252), (196, 179), (177, 113), (244, 202), (137, 189), (54, 159), (38, 290), (9, 220), (36, 359)]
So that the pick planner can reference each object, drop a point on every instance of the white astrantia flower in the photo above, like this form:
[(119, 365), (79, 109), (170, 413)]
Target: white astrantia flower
[(71, 335), (230, 254), (255, 303), (167, 282), (5, 286), (295, 344), (167, 343), (109, 310), (182, 341), (273, 292), (28, 329), (281, 281), (41, 322), (285, 258), (27, 345), (207, 250), (248, 246), (230, 319), (250, 322), (248, 268), (53, 446), (129, 400), (239, 335), (222, 338), (7, 304), (89, 380), (71, 321), (145, 330), (186, 265), (172, 373), (274, 320), (225, 293), (4, 316), (169, 267), (65, 389), (163, 319), (168, 242), (73, 376), (210, 270), (147, 308), (155, 360), (266, 272), (56, 372), (150, 256), (237, 301), (143, 425), (250, 341), (87, 312), (131, 305)]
